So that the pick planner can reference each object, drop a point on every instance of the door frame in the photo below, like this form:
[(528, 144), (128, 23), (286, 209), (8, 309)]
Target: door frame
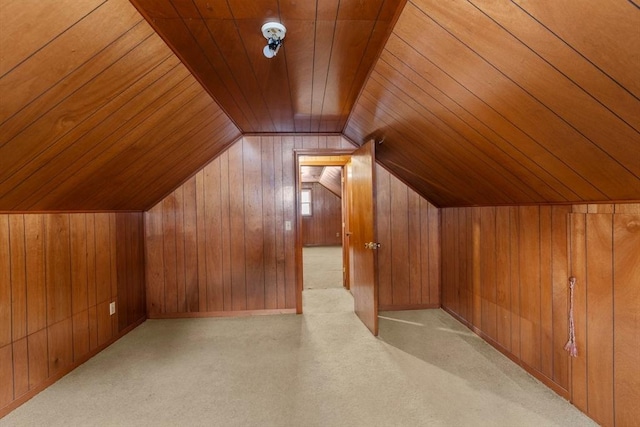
[(320, 152)]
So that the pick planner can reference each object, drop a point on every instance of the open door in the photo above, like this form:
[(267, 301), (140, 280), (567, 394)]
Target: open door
[(362, 241)]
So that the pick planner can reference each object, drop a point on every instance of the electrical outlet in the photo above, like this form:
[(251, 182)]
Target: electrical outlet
[(287, 225), (337, 234), (112, 308)]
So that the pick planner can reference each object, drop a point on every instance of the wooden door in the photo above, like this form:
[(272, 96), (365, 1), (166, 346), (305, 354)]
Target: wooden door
[(362, 246)]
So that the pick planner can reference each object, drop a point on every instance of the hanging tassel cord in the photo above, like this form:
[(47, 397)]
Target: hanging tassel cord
[(571, 346)]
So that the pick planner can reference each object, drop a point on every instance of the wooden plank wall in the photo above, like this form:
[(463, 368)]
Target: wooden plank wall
[(218, 245), (58, 274), (409, 256), (505, 274), (324, 226), (605, 258)]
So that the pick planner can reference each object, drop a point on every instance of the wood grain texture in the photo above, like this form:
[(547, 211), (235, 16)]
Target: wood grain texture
[(546, 297), (537, 249), (16, 19), (81, 335), (35, 266), (599, 317), (384, 233), (310, 86), (50, 318), (98, 129), (221, 198), (361, 193), (560, 299), (605, 325), (399, 242), (503, 279), (269, 225), (76, 127), (331, 178), (6, 375), (231, 218), (57, 262), (488, 267), (626, 317), (18, 277), (409, 257), (612, 27), (38, 358), (493, 255), (129, 254), (578, 259), (502, 124), (79, 272), (20, 367), (324, 226), (5, 281)]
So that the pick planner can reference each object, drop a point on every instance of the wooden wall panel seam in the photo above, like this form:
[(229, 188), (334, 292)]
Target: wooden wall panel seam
[(80, 23), (69, 21), (445, 130), (552, 65), (50, 347), (543, 236), (88, 115), (438, 156), (485, 138), (574, 49), (529, 92), (594, 147), (227, 171)]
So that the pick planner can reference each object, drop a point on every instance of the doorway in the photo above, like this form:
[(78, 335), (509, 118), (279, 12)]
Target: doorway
[(322, 258), (359, 246)]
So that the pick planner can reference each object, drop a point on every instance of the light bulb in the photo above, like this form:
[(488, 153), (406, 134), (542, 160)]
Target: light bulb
[(268, 52)]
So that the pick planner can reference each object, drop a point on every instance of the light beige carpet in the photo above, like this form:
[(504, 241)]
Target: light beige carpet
[(322, 267), (319, 369)]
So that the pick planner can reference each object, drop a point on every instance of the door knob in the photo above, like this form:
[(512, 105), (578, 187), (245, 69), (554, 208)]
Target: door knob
[(372, 245)]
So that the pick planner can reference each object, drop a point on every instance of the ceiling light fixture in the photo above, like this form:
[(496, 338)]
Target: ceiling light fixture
[(274, 33)]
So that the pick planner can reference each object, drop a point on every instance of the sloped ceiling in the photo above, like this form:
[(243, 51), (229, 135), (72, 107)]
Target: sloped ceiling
[(310, 86), (96, 112), (508, 102), (475, 102)]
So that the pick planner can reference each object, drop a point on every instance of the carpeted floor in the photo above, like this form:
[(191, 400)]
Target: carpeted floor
[(322, 267), (320, 369)]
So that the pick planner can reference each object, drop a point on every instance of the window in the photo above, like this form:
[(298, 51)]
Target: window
[(305, 201)]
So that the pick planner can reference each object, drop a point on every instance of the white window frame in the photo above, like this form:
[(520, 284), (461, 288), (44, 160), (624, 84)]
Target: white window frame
[(306, 202)]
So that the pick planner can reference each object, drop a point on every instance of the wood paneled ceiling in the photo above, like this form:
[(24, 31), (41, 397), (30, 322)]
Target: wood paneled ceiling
[(310, 173), (329, 177), (477, 102), (508, 102), (310, 86), (96, 112)]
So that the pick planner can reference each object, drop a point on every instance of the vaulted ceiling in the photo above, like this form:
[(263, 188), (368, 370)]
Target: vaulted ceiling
[(310, 86), (96, 112), (509, 102), (474, 102)]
